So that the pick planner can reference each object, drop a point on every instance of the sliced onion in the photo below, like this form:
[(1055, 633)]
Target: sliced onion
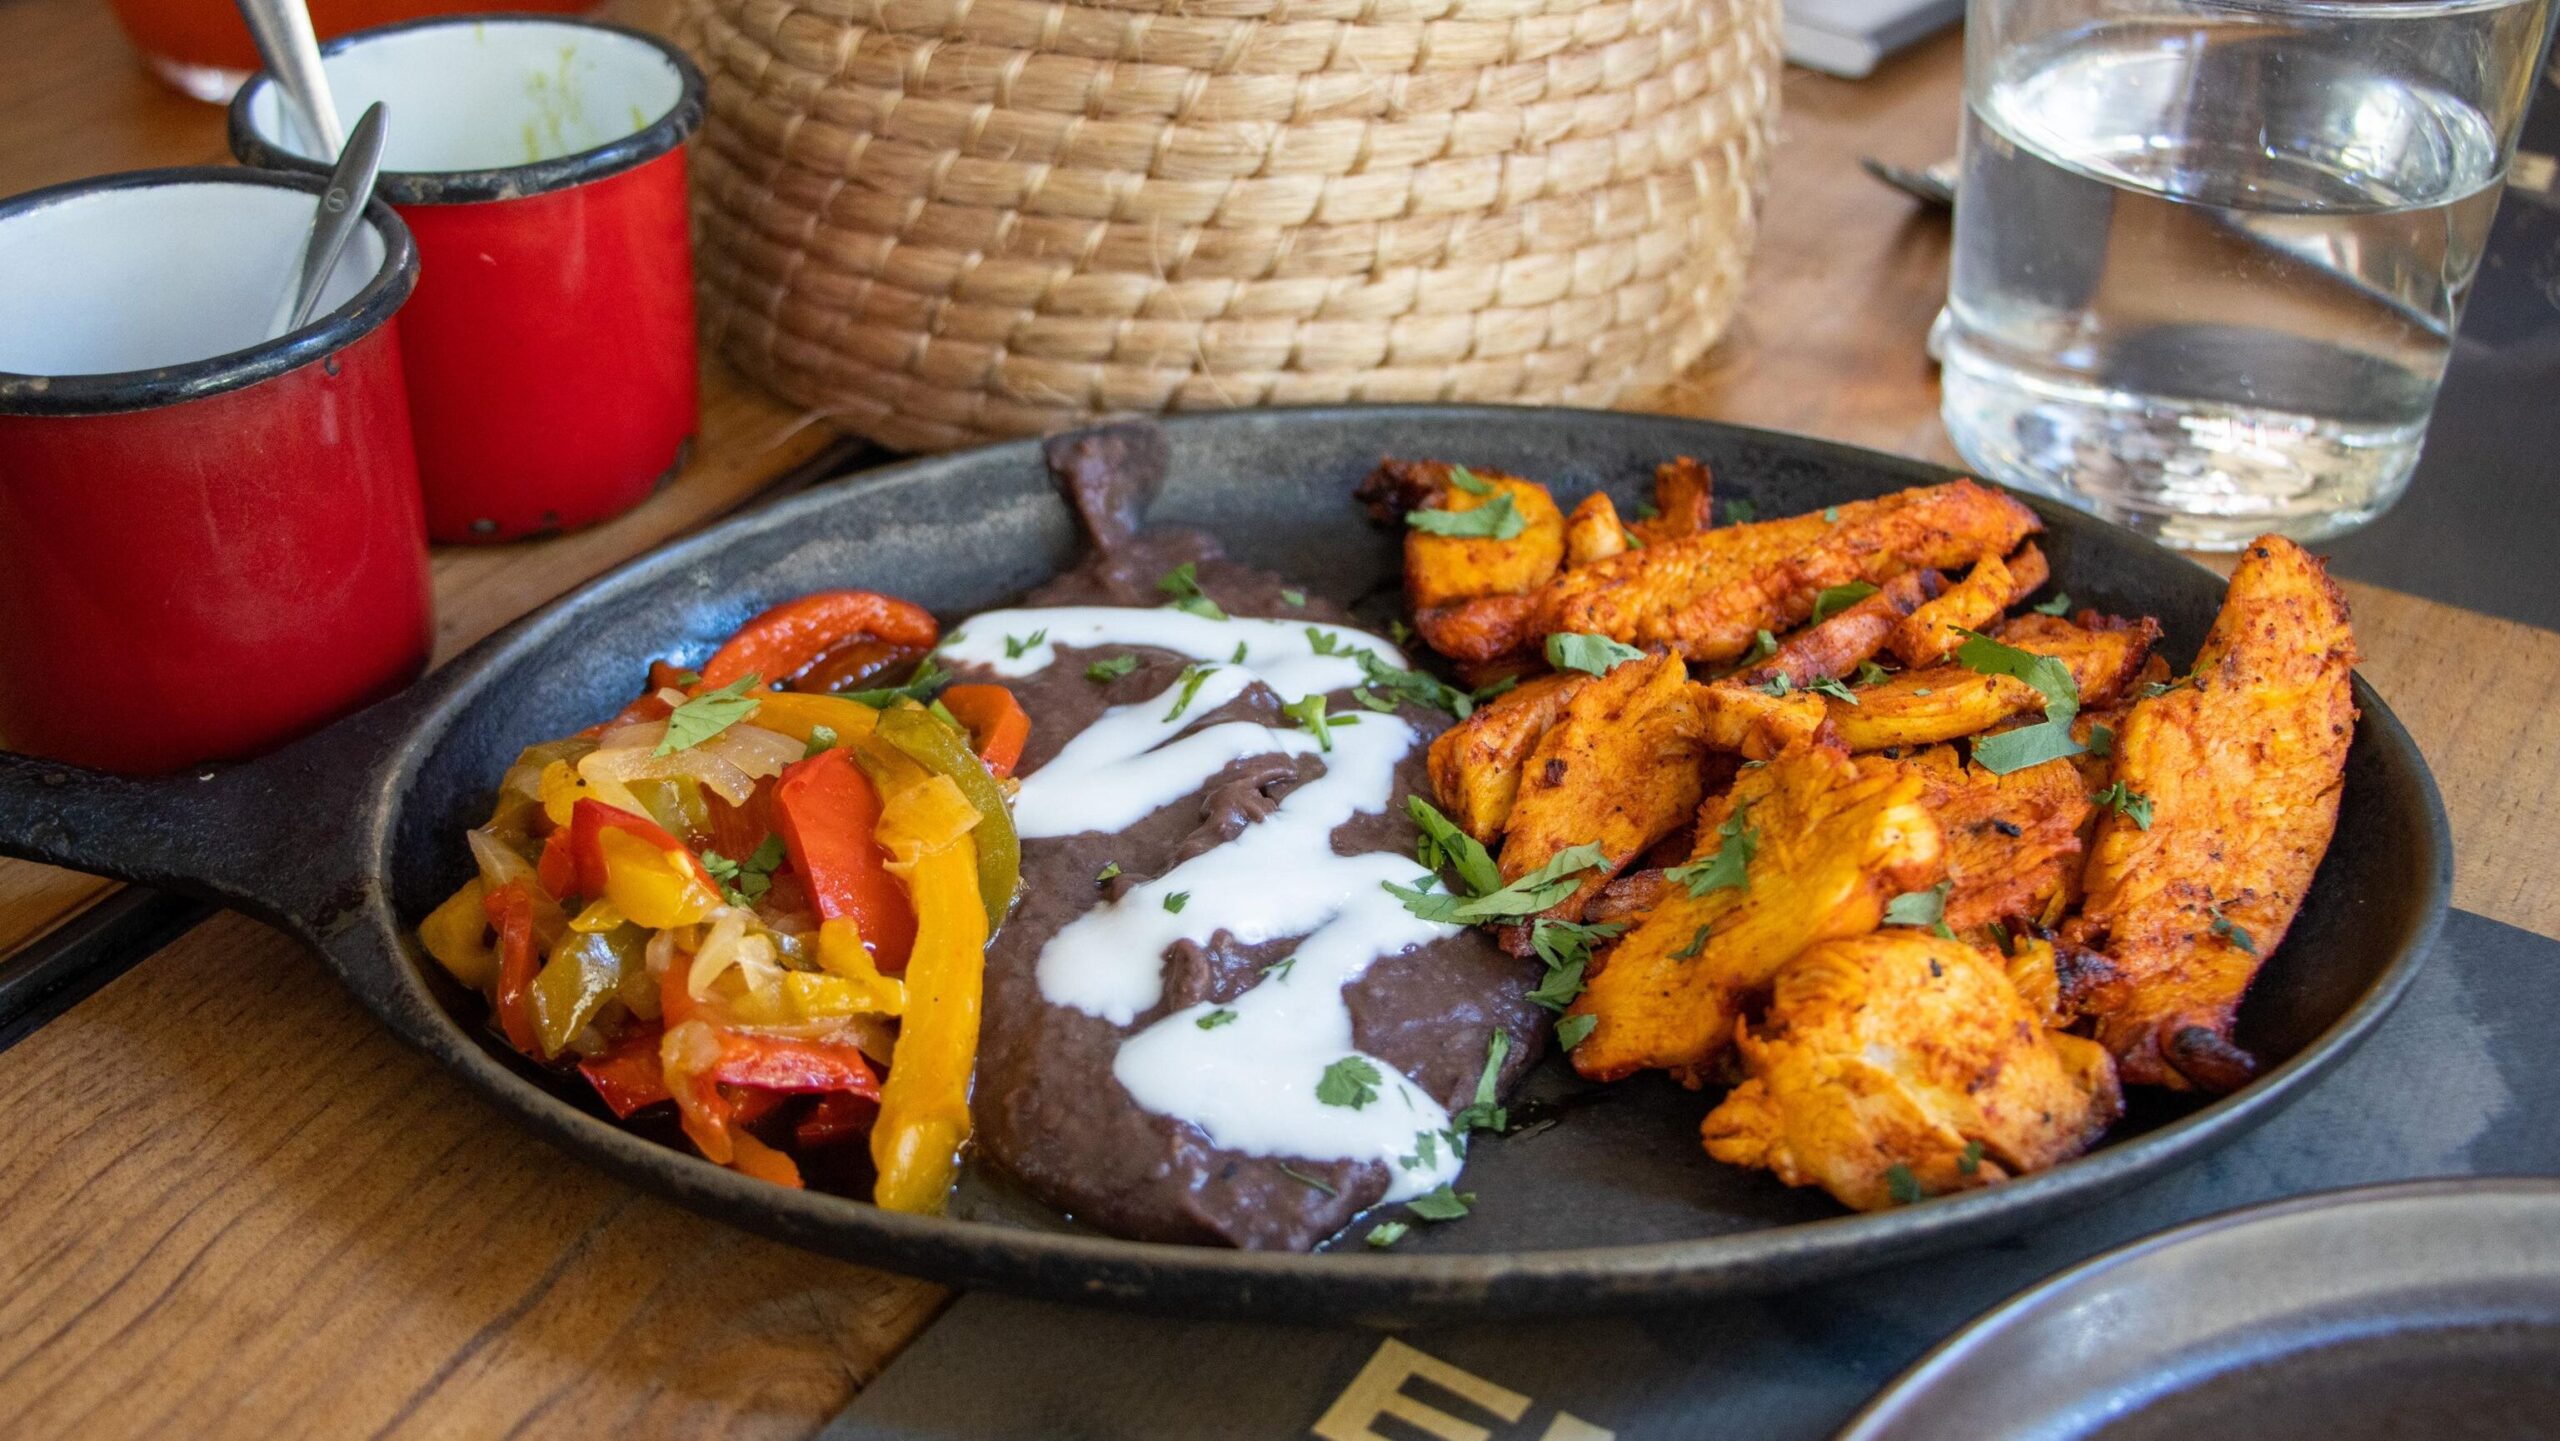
[(499, 863), (728, 764), (734, 942)]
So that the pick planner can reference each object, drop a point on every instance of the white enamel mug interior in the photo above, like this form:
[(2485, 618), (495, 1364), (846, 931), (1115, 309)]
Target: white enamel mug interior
[(485, 93), (136, 273)]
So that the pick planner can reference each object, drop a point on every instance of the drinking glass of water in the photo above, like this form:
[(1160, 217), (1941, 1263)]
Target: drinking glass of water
[(2210, 254)]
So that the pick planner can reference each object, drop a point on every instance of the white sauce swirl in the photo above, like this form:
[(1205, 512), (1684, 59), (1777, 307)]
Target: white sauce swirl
[(1249, 1084)]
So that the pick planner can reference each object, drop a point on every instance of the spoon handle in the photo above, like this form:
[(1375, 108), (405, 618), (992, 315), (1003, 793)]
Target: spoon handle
[(287, 43), (341, 210)]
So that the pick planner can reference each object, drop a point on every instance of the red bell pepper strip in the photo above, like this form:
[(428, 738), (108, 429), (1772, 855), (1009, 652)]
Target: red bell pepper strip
[(558, 869), (519, 961), (751, 1157), (796, 634), (829, 815), (998, 725), (840, 1116), (629, 1077), (720, 1057)]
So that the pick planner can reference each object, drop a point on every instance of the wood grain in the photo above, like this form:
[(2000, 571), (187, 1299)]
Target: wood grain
[(237, 1209)]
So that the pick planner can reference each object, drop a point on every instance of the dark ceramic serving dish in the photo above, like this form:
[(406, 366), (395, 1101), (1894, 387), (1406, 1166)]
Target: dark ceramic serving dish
[(349, 837)]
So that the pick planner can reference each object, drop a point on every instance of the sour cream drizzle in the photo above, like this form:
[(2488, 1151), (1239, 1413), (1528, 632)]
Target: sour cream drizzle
[(1248, 1083)]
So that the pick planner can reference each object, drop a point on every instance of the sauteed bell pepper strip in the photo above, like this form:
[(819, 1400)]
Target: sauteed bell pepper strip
[(510, 910), (629, 1076), (455, 934), (585, 971), (996, 721), (924, 1107), (648, 875), (700, 1058), (829, 815), (931, 744), (838, 1117), (799, 715), (558, 869), (794, 635)]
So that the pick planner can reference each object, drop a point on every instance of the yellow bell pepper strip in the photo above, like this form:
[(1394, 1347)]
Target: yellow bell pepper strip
[(584, 971), (456, 934), (647, 874), (801, 999), (924, 1107), (843, 956), (933, 745), (751, 1157), (829, 815), (510, 911), (799, 715), (628, 1076)]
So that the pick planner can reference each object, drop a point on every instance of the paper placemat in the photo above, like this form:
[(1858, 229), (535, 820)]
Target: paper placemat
[(2457, 1081)]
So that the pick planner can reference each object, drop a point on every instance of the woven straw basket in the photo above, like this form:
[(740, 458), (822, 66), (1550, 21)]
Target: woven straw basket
[(945, 221)]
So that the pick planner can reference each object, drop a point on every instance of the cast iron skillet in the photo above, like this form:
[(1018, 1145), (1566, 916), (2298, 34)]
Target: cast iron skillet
[(347, 838)]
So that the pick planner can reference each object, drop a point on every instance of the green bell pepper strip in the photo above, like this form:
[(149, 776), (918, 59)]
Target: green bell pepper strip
[(937, 748)]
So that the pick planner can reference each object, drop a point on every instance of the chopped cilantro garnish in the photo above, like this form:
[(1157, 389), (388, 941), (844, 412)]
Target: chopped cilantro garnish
[(1303, 1179), (1103, 672), (1212, 1020), (1485, 1113), (745, 882), (1835, 690), (1572, 1029), (1468, 481), (2059, 605), (708, 714), (1496, 519), (821, 738), (1728, 867), (1833, 599), (1238, 657), (1110, 869), (1295, 598), (1901, 1185), (2235, 934), (1351, 1081), (1647, 510), (2131, 804), (919, 688), (1308, 712), (1387, 1233), (1442, 1205), (1869, 673), (1015, 646), (1176, 901), (1970, 1163), (1590, 654), (2102, 740), (2028, 745), (1443, 846), (1188, 686), (1831, 515), (1779, 685), (1527, 896), (1921, 908), (1566, 947), (1740, 512), (1183, 584), (1763, 646), (2154, 689), (1697, 943)]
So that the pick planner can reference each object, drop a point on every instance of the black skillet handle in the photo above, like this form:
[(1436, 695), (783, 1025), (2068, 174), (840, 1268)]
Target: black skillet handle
[(274, 837)]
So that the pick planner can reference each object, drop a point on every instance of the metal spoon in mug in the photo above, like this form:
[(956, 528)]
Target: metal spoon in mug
[(287, 43), (341, 209)]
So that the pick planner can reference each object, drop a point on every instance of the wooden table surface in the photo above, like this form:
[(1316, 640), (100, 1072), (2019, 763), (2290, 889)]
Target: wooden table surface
[(236, 1208)]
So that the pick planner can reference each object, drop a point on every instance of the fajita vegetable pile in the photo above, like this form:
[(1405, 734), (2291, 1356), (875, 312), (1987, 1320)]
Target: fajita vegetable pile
[(743, 900), (1822, 809)]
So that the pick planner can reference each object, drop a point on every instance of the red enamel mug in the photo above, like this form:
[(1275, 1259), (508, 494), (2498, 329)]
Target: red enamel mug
[(210, 540), (540, 161)]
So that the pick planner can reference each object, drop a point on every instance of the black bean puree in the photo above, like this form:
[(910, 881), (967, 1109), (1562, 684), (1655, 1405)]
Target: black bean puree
[(1048, 1109)]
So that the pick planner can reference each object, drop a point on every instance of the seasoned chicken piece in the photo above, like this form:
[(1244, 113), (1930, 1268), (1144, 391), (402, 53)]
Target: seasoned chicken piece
[(1900, 1065), (1832, 647), (1933, 631), (1487, 630), (1942, 702), (1625, 900), (1706, 596), (1755, 724), (1475, 764), (2055, 980), (1683, 502), (2242, 767), (1443, 569), (2013, 841), (1619, 769), (1829, 839), (2097, 727), (1593, 531)]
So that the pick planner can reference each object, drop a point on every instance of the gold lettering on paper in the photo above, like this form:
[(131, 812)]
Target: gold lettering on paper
[(1378, 1393)]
